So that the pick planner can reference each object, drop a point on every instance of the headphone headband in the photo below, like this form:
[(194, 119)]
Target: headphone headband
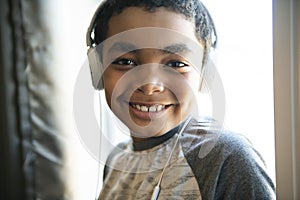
[(89, 40), (93, 56)]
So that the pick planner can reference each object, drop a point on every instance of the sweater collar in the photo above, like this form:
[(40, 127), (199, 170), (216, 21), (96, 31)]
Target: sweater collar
[(154, 141)]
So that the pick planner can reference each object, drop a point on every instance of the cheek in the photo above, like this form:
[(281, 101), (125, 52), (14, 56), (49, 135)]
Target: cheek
[(115, 85), (110, 79), (189, 92), (185, 91), (190, 83), (108, 97)]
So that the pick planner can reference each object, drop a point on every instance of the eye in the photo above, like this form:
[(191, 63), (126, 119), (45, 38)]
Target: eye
[(177, 64), (124, 61)]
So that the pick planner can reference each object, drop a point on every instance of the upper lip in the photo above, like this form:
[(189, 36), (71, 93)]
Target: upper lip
[(148, 104)]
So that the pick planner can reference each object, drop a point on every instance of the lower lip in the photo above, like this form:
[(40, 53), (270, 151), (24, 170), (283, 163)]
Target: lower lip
[(147, 115)]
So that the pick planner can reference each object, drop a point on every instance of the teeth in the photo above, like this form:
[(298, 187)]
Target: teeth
[(159, 107), (144, 108), (137, 106), (154, 108)]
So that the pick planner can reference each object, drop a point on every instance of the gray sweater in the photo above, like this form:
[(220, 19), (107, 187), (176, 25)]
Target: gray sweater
[(205, 164)]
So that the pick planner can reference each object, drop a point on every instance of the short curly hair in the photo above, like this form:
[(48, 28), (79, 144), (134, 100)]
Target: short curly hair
[(193, 10)]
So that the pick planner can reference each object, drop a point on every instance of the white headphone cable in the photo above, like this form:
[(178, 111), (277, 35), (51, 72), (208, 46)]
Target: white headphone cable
[(100, 140), (156, 190)]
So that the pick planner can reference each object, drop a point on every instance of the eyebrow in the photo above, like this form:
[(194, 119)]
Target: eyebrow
[(176, 48), (122, 47), (128, 47)]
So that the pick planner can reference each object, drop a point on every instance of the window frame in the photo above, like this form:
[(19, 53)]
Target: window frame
[(286, 97)]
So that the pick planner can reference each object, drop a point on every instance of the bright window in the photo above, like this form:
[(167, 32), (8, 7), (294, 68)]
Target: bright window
[(245, 63)]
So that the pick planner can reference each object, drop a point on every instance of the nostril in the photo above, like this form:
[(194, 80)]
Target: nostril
[(150, 88)]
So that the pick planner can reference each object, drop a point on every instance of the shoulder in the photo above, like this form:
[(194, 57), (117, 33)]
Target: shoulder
[(219, 148), (117, 149), (236, 144), (225, 162), (243, 170), (206, 140)]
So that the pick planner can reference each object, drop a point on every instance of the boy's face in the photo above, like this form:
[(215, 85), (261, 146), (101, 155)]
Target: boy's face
[(151, 78)]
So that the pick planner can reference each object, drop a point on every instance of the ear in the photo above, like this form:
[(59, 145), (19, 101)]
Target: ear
[(96, 68)]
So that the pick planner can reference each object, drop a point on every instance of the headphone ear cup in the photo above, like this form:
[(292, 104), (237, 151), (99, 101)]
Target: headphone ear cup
[(96, 68)]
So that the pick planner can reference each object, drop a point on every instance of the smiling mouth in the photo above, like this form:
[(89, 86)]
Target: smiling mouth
[(149, 108)]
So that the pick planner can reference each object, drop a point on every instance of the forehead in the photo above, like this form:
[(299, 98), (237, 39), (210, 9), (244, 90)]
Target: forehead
[(136, 17)]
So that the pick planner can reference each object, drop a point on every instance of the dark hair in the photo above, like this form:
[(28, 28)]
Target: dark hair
[(193, 10)]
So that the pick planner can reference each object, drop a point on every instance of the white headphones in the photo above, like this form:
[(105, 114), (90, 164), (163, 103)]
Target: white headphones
[(94, 59)]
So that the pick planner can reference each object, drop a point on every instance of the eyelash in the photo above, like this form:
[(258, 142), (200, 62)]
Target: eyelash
[(124, 61), (129, 62), (178, 64)]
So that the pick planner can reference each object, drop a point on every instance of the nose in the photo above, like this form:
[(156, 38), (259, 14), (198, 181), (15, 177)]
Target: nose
[(151, 88)]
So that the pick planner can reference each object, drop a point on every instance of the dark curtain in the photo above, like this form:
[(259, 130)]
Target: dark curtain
[(15, 126), (32, 158)]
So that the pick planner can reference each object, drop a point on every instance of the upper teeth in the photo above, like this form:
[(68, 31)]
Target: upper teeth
[(154, 108)]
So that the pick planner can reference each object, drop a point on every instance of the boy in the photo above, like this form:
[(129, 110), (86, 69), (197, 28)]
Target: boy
[(149, 57)]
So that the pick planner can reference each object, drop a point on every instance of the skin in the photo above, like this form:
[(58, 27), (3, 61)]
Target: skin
[(140, 78)]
